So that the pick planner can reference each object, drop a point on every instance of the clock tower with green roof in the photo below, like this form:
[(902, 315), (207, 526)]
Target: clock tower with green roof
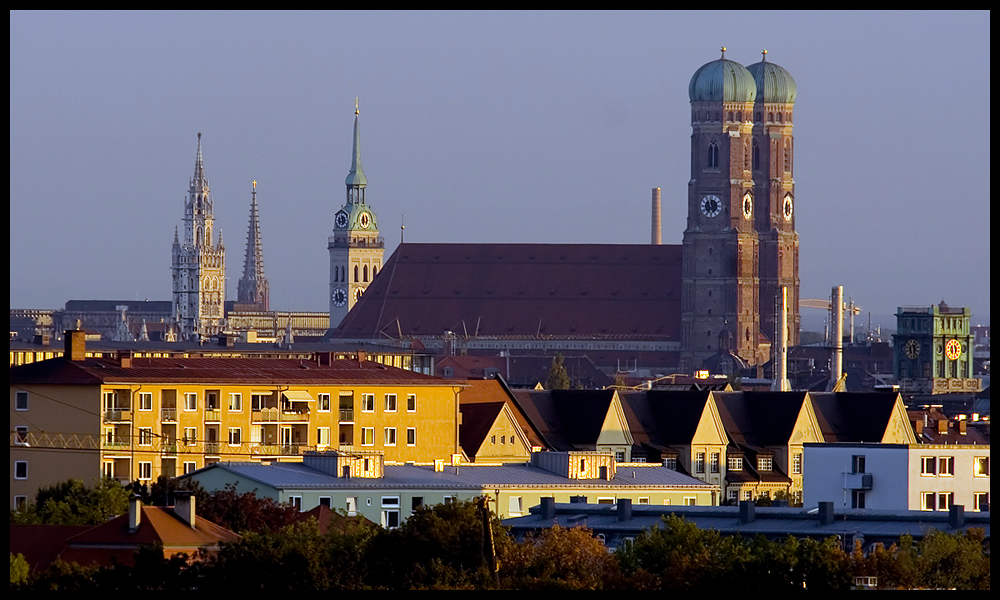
[(355, 246)]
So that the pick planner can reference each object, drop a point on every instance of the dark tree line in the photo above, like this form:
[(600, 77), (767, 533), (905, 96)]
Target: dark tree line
[(448, 547)]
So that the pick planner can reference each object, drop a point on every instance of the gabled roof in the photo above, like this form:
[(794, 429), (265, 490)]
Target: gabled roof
[(758, 419), (477, 420), (522, 290), (157, 525), (854, 417), (494, 390), (329, 520), (567, 419), (233, 371)]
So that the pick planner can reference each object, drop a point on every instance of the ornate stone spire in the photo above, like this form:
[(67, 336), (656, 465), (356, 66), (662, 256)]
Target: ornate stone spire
[(253, 287), (199, 180)]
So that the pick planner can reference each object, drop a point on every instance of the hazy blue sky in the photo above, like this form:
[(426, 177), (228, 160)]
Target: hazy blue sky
[(483, 127)]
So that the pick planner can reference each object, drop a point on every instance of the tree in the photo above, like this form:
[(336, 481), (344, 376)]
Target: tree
[(560, 559), (72, 503), (245, 512), (558, 378)]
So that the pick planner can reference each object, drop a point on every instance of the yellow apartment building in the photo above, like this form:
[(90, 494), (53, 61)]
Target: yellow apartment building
[(139, 418)]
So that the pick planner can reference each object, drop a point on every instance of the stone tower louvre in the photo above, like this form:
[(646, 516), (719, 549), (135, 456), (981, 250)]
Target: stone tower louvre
[(719, 282), (199, 263), (774, 190), (253, 291), (355, 246)]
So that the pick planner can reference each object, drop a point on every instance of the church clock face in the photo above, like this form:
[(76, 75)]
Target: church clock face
[(953, 349), (912, 349), (339, 297), (711, 206), (786, 209), (364, 220), (747, 205), (341, 220)]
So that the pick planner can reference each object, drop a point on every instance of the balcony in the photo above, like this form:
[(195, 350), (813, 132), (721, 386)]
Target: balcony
[(117, 415), (168, 415), (279, 449), (346, 415), (857, 481), (213, 415), (274, 415), (212, 448)]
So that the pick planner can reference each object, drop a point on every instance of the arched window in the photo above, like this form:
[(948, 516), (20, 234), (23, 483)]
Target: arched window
[(366, 274), (355, 273), (374, 271), (713, 156), (739, 115), (788, 157), (729, 116), (756, 156)]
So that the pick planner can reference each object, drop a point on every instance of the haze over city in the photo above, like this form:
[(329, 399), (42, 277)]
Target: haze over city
[(483, 127)]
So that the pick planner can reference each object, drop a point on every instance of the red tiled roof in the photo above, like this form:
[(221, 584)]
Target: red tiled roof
[(522, 290), (233, 371)]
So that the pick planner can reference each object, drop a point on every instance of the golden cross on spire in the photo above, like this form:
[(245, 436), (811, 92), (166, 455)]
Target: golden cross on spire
[(355, 105), (723, 52), (255, 185), (763, 54)]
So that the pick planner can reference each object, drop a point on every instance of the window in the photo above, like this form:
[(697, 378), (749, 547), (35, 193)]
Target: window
[(735, 463), (715, 462), (235, 402), (367, 436), (514, 506), (411, 436), (190, 436), (857, 499), (748, 494), (20, 435), (699, 462), (946, 465), (713, 156), (145, 471), (145, 436), (690, 501), (449, 499), (296, 502), (323, 402), (367, 402), (145, 401), (416, 502), (981, 466), (21, 401), (928, 465), (765, 463), (21, 469), (390, 512), (323, 436), (390, 403), (352, 506), (390, 436), (493, 439), (190, 401), (670, 463), (619, 456), (190, 467), (258, 402), (411, 403), (928, 501), (326, 501), (981, 501), (945, 500), (644, 500), (235, 436), (734, 494), (20, 502)]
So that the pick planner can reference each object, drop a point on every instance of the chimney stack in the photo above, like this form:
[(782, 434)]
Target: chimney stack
[(75, 344), (547, 508), (747, 511), (624, 511), (184, 505), (134, 513), (656, 238)]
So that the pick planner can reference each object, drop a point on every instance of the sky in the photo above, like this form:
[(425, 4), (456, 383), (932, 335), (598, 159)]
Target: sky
[(510, 127)]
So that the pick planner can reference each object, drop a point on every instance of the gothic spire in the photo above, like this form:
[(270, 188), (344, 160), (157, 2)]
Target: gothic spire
[(253, 287), (356, 180), (199, 181)]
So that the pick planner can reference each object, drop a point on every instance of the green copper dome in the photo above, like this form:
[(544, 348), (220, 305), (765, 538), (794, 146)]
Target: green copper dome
[(774, 84), (722, 81)]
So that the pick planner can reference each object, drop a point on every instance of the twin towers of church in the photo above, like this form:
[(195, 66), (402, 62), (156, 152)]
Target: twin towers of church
[(740, 244)]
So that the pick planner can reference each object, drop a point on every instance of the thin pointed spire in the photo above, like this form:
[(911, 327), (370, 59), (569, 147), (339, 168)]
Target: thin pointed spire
[(356, 178), (253, 286), (199, 180)]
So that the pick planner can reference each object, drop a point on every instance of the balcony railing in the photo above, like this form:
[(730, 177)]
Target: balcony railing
[(212, 448), (213, 415), (347, 415), (269, 415), (168, 415), (117, 414)]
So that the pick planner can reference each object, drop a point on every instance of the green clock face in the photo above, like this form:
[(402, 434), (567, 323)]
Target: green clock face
[(711, 206)]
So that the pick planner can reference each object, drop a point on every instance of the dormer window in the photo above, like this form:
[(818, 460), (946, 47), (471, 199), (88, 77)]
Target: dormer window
[(765, 463)]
